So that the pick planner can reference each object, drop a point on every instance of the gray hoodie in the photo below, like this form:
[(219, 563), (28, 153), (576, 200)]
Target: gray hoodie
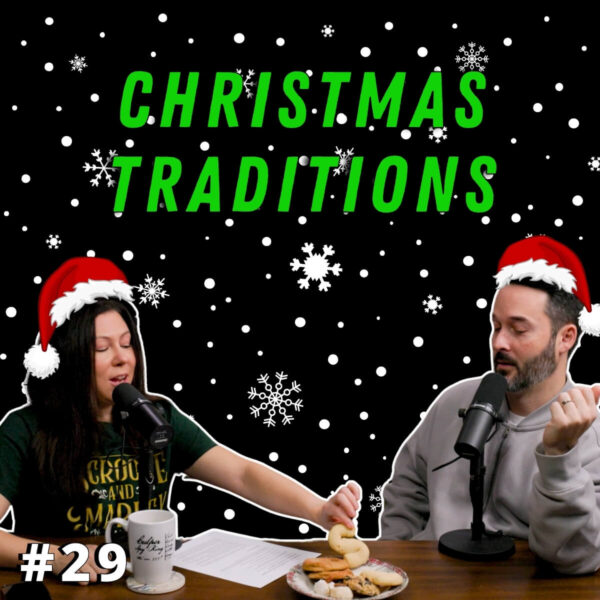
[(553, 501)]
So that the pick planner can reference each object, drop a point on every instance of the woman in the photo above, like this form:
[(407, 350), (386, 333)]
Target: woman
[(68, 462)]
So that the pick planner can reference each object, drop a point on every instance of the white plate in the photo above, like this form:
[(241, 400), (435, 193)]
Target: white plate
[(298, 580)]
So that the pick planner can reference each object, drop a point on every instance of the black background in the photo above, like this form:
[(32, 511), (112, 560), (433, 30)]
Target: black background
[(382, 313)]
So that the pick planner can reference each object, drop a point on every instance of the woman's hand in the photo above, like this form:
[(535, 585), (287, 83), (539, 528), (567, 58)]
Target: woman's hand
[(341, 507), (61, 562)]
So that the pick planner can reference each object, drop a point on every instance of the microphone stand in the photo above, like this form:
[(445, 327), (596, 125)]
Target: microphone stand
[(146, 476), (477, 543)]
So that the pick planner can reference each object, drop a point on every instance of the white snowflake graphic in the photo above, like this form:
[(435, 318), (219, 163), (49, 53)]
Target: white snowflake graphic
[(151, 291), (471, 59), (316, 267), (247, 81), (432, 304), (53, 241), (102, 167), (275, 399), (78, 63), (438, 134), (328, 30), (594, 163), (345, 160), (376, 499)]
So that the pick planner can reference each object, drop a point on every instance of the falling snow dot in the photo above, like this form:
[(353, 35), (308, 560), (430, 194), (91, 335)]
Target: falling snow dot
[(304, 160), (94, 97), (66, 141), (23, 42), (177, 387), (49, 21), (364, 273), (229, 417), (273, 456), (213, 381), (365, 52), (559, 87), (485, 220), (422, 415), (11, 311), (239, 38), (190, 40), (102, 34), (228, 300), (577, 200), (405, 134), (162, 256), (303, 528), (24, 228), (340, 324), (118, 215), (537, 107), (209, 283), (153, 54), (389, 26), (513, 140), (245, 328), (333, 359), (372, 436), (364, 415), (37, 279), (280, 42), (546, 19), (151, 120), (128, 255), (515, 218), (468, 261), (584, 48), (454, 26), (496, 88), (229, 222), (25, 178), (424, 273), (435, 386), (210, 345), (300, 322), (507, 41), (422, 52), (418, 242), (418, 341), (229, 514), (162, 18), (358, 381), (481, 303), (49, 66), (558, 222), (371, 128), (341, 119), (530, 207), (267, 275), (204, 146), (90, 253), (346, 450), (129, 143), (266, 241), (324, 424), (573, 123), (177, 323), (181, 506), (466, 359), (309, 72), (381, 371)]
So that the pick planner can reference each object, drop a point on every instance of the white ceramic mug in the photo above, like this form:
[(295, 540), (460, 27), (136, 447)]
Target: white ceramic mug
[(151, 536)]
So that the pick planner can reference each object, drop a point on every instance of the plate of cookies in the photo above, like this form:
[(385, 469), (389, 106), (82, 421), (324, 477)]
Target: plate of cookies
[(352, 575)]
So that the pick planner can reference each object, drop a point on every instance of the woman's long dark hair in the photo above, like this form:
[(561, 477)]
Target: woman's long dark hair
[(66, 402)]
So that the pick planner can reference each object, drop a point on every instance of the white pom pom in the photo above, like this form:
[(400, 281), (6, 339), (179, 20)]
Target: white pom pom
[(590, 321), (39, 363)]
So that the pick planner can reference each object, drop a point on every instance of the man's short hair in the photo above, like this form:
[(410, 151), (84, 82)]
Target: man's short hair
[(562, 307)]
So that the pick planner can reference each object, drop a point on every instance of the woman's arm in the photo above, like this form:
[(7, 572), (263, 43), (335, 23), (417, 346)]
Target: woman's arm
[(11, 546), (273, 490)]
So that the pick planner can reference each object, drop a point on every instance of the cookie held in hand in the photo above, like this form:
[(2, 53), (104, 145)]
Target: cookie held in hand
[(342, 540)]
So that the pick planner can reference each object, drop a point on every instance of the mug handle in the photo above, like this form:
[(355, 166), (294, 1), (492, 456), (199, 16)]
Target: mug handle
[(108, 534)]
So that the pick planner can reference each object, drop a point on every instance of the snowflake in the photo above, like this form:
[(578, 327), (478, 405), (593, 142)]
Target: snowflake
[(151, 291), (594, 163), (432, 305), (248, 83), (78, 63), (327, 30), (472, 58), (275, 399), (102, 168), (345, 160), (376, 498), (438, 134), (53, 241), (316, 267), (102, 494)]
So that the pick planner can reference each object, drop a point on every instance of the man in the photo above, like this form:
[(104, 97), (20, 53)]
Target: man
[(542, 478)]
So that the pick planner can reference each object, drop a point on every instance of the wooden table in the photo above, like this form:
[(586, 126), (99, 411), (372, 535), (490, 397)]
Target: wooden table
[(432, 576)]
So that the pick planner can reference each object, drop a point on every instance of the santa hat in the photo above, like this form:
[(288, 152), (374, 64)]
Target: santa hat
[(77, 282), (541, 258)]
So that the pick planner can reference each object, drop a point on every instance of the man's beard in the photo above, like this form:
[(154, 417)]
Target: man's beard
[(533, 371)]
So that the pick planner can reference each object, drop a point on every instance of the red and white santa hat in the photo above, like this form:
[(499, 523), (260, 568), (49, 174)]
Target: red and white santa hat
[(77, 282), (541, 258)]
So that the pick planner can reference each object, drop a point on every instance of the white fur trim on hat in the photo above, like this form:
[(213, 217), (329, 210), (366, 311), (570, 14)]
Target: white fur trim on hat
[(589, 321), (87, 293), (39, 363), (537, 270)]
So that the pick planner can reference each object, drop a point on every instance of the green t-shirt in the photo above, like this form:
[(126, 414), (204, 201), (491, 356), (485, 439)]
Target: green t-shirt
[(111, 481)]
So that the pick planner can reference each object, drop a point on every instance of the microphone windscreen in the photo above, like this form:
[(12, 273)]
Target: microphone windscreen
[(491, 390)]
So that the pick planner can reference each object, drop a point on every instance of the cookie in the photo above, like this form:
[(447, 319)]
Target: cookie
[(342, 540), (324, 563)]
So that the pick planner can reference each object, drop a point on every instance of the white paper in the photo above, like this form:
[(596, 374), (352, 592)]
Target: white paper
[(238, 558)]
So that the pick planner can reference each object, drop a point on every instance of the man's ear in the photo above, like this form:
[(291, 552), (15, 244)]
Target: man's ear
[(566, 337)]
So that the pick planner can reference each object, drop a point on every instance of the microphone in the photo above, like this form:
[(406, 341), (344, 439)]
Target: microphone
[(481, 415), (144, 413)]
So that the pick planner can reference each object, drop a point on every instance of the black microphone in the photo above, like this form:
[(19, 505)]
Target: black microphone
[(144, 413), (480, 417)]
